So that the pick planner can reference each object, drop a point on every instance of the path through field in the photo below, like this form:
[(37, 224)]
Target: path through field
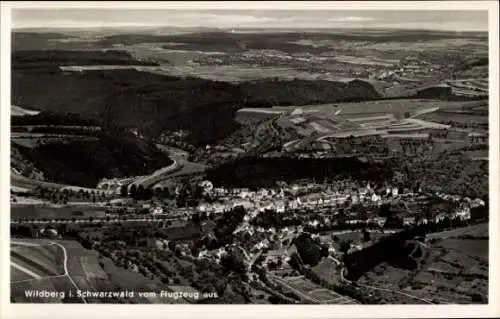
[(38, 277)]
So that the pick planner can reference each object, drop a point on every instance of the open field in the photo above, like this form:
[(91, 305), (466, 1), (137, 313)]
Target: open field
[(21, 111), (473, 248), (445, 117), (478, 230)]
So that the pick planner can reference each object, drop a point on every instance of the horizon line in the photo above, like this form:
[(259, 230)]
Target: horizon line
[(131, 26)]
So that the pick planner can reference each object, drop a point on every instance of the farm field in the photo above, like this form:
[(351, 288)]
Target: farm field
[(62, 267), (19, 275), (479, 230), (129, 280), (387, 106), (315, 292), (42, 261), (59, 286), (452, 270), (364, 118), (328, 271), (306, 126), (21, 111), (39, 265), (51, 212), (474, 248), (444, 117)]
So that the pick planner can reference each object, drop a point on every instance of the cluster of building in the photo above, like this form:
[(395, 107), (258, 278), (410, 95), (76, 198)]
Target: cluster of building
[(408, 68), (294, 197), (324, 198)]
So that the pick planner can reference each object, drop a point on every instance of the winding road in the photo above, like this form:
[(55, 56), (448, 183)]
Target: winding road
[(65, 264)]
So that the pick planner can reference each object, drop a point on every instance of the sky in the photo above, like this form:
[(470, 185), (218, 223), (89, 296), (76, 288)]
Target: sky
[(91, 18)]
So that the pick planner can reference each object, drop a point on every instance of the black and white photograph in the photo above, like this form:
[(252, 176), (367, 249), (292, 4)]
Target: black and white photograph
[(267, 156)]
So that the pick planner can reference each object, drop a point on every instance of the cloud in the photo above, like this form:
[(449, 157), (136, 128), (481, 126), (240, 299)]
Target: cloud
[(73, 24), (179, 20), (235, 20), (445, 26)]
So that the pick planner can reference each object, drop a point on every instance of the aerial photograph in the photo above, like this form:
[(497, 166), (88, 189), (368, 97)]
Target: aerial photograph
[(244, 156)]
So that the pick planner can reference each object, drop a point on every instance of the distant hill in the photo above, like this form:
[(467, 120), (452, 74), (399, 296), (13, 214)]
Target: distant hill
[(213, 39)]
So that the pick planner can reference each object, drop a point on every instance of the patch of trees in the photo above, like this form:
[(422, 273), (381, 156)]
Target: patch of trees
[(309, 250), (189, 232), (270, 218), (394, 248), (225, 225), (480, 213), (53, 119), (233, 261), (266, 93), (451, 174), (138, 192), (444, 93), (36, 58), (255, 172), (85, 163), (65, 195), (19, 230)]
